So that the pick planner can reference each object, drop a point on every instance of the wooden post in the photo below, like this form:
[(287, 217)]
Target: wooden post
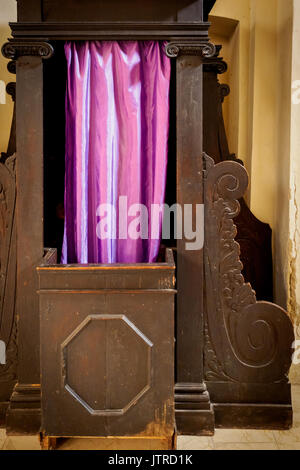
[(23, 414), (194, 413)]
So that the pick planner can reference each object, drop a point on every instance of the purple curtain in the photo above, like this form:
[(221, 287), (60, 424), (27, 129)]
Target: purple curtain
[(117, 119)]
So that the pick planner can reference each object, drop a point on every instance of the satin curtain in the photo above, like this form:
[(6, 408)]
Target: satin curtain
[(117, 119)]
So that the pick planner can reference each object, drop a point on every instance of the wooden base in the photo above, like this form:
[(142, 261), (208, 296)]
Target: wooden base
[(24, 411), (254, 393), (251, 406), (195, 423), (117, 443), (253, 416), (23, 414), (193, 411)]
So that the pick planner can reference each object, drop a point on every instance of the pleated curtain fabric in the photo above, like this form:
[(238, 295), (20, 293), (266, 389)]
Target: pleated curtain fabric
[(117, 123)]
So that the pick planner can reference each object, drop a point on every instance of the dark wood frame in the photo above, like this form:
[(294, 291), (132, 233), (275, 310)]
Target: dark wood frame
[(197, 182)]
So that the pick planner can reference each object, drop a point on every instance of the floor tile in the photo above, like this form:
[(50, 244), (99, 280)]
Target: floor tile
[(296, 398), (287, 437), (2, 437), (243, 435), (296, 419), (290, 446), (194, 443), (22, 443), (246, 446)]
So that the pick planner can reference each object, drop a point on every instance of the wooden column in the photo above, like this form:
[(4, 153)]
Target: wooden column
[(189, 191), (194, 414), (23, 414)]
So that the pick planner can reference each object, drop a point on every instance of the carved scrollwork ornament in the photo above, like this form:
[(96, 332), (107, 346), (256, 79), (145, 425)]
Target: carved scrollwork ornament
[(8, 266), (11, 66), (215, 65), (11, 90), (252, 340), (172, 50), (14, 49), (175, 48), (224, 90)]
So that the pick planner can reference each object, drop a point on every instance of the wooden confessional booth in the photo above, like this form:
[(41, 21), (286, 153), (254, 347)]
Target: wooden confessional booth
[(90, 348)]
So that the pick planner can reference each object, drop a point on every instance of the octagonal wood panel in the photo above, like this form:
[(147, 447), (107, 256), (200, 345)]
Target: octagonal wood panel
[(106, 364)]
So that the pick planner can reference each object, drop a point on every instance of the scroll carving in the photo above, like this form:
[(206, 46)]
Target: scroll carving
[(224, 90), (8, 259), (214, 63), (175, 48), (8, 266), (251, 340), (11, 66), (14, 49)]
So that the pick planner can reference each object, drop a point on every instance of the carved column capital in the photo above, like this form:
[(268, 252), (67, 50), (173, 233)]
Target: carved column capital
[(224, 90), (203, 48), (11, 66), (14, 49), (11, 90), (216, 65)]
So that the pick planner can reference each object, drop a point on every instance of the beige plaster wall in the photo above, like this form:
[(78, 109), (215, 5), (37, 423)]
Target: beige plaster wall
[(293, 248), (251, 125), (236, 52), (8, 12)]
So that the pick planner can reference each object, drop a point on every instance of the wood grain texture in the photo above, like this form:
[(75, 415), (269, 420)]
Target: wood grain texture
[(107, 359), (8, 264), (252, 340), (30, 244)]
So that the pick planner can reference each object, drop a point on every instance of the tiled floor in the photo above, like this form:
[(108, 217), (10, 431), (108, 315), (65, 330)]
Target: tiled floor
[(224, 439)]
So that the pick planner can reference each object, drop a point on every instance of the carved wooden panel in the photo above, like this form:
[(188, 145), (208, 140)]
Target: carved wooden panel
[(104, 355), (248, 341), (8, 326), (7, 234), (107, 349)]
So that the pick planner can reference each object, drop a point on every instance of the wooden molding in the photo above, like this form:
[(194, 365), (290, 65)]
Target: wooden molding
[(203, 48), (14, 49)]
